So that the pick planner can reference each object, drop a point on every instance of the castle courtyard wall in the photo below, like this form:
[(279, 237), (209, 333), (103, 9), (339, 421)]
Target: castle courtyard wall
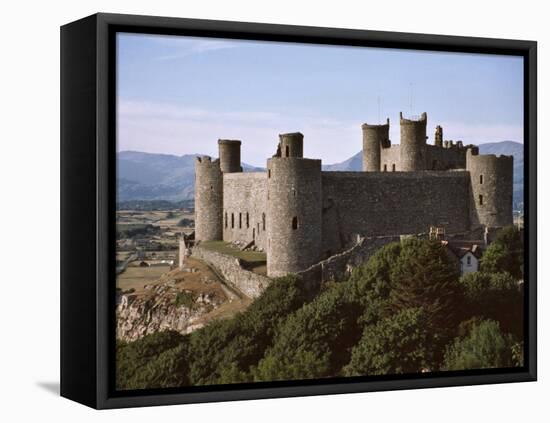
[(392, 203), (244, 207)]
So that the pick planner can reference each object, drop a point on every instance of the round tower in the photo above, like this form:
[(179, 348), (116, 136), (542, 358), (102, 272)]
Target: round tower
[(230, 156), (208, 199), (374, 137), (294, 221), (413, 143), (291, 144), (491, 179)]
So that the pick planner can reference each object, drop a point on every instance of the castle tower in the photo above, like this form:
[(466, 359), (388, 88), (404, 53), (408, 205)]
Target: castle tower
[(208, 199), (294, 208), (374, 137), (438, 140), (230, 156), (491, 189), (413, 143), (291, 144)]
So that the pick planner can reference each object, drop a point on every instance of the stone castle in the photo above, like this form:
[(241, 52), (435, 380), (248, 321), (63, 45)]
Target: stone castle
[(299, 214)]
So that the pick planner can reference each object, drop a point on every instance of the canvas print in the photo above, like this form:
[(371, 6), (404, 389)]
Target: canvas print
[(290, 212)]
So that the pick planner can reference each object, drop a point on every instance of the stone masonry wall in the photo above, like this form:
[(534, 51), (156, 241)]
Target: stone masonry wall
[(339, 266), (392, 203), (249, 283), (244, 207)]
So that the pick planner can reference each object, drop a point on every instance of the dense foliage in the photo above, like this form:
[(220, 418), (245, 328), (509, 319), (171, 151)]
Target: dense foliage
[(405, 310)]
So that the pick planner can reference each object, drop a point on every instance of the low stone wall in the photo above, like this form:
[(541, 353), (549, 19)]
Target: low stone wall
[(249, 283), (339, 266)]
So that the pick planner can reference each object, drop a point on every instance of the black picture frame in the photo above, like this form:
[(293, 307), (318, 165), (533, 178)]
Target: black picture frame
[(88, 205)]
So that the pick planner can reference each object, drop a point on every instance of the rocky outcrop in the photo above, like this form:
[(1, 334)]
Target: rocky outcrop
[(164, 307)]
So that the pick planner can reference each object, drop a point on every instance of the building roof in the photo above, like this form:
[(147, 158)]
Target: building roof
[(461, 248)]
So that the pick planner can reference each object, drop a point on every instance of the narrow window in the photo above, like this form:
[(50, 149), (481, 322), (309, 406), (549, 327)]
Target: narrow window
[(287, 151), (211, 187), (253, 234), (263, 221), (232, 220), (393, 167), (240, 220), (468, 261), (480, 200), (225, 220), (258, 229), (385, 168), (480, 179), (247, 221), (295, 223), (269, 173)]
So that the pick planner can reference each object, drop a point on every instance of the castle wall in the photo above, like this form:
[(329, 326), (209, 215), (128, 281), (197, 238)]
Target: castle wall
[(413, 143), (374, 137), (249, 283), (208, 199), (244, 207), (390, 157), (230, 155), (392, 203), (294, 214), (440, 158), (492, 189)]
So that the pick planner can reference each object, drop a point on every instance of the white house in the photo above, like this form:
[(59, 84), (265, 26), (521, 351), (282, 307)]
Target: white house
[(467, 253)]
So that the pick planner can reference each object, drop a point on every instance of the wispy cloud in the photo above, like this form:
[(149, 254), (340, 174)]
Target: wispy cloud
[(197, 47), (167, 128)]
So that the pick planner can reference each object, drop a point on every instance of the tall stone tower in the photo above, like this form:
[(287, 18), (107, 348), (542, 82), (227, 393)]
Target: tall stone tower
[(208, 199), (230, 156), (438, 139), (294, 211), (291, 144), (491, 179), (374, 137), (413, 143)]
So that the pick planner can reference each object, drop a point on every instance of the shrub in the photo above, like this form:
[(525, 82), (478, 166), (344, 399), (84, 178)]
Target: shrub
[(397, 344), (240, 342), (505, 254), (495, 296), (484, 347), (186, 299), (154, 361), (315, 340), (423, 276)]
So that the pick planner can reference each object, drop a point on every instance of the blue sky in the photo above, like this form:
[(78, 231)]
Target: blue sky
[(178, 95)]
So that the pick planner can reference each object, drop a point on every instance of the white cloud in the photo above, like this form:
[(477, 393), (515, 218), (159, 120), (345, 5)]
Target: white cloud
[(170, 129), (197, 47)]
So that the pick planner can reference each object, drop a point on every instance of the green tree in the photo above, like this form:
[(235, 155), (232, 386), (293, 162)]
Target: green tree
[(158, 360), (505, 254), (314, 341), (485, 346), (423, 276), (495, 296), (397, 344), (233, 346)]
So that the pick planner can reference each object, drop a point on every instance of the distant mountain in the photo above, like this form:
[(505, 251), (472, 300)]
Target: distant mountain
[(148, 176)]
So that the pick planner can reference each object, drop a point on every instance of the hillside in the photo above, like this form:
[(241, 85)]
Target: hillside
[(147, 176)]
